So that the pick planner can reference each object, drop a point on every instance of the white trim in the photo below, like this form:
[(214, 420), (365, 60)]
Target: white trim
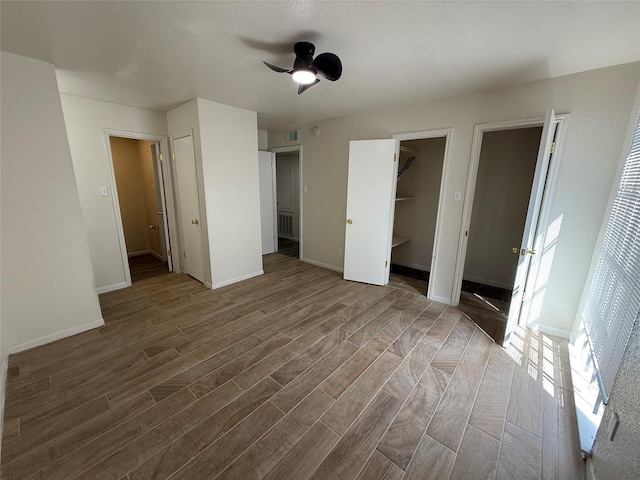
[(447, 134), (437, 298), (52, 337), (111, 288), (472, 174), (236, 279), (145, 252), (169, 209), (139, 253), (295, 148), (323, 265), (550, 330)]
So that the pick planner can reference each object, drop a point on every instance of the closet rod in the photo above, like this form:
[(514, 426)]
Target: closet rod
[(409, 150)]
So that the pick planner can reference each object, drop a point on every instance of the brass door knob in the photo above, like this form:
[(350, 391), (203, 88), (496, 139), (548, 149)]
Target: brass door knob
[(349, 221), (194, 221)]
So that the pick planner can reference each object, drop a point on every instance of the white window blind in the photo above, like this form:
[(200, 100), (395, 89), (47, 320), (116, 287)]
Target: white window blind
[(614, 298)]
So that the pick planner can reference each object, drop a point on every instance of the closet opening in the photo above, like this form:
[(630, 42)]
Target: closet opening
[(288, 202), (420, 172), (141, 202)]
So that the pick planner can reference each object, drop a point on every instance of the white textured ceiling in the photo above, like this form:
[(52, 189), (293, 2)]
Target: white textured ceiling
[(160, 54)]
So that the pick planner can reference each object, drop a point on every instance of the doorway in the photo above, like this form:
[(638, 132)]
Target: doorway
[(506, 168), (416, 212), (288, 201), (140, 194), (513, 170)]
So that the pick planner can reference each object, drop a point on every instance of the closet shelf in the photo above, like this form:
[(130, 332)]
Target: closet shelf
[(398, 240), (403, 199)]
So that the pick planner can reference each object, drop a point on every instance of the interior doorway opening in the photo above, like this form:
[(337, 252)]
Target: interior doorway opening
[(138, 186), (505, 174), (288, 211), (420, 168)]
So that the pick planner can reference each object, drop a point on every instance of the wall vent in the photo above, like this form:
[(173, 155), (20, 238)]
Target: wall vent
[(291, 136)]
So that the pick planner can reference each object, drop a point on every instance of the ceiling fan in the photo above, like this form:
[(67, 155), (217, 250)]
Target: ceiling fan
[(306, 69)]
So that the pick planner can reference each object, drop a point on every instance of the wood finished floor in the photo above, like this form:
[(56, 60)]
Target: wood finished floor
[(295, 374)]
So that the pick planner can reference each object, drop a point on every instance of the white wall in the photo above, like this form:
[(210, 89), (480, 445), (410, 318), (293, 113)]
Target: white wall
[(262, 140), (48, 288), (416, 219), (86, 121), (230, 172), (503, 187), (599, 102)]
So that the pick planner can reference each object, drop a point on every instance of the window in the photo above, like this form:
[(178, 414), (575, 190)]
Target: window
[(613, 303)]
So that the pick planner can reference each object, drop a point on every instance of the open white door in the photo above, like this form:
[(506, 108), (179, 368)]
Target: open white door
[(267, 176), (189, 206), (526, 249), (161, 200), (371, 191)]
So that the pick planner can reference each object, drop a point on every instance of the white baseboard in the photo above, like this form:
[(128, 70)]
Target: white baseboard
[(550, 330), (138, 254), (52, 337), (323, 265), (491, 283), (237, 279), (111, 288), (436, 298)]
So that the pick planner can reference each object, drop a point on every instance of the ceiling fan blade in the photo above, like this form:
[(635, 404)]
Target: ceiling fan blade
[(277, 69), (328, 65), (302, 88)]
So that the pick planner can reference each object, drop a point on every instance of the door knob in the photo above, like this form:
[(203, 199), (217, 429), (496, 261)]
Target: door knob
[(518, 251), (531, 252), (349, 221), (194, 221)]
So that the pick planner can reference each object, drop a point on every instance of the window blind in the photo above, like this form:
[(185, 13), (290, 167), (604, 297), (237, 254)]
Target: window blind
[(613, 303)]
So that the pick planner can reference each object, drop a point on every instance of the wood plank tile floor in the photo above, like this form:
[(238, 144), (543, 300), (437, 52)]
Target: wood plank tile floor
[(296, 374)]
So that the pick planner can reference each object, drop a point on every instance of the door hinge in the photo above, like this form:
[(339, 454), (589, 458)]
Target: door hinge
[(169, 253), (173, 156), (553, 147), (184, 253), (394, 157), (524, 296), (160, 157), (386, 262)]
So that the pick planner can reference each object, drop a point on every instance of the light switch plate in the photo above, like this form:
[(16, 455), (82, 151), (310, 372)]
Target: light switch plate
[(104, 191)]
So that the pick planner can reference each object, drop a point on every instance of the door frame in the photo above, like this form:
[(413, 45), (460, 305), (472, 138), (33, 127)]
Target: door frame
[(547, 196), (168, 187), (301, 193), (201, 210), (422, 135)]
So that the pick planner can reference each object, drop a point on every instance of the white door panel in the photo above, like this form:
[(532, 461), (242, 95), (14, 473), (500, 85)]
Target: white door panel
[(189, 207), (527, 246), (266, 167), (371, 190)]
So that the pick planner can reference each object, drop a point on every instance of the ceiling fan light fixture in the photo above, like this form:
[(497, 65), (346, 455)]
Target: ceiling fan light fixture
[(304, 76)]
